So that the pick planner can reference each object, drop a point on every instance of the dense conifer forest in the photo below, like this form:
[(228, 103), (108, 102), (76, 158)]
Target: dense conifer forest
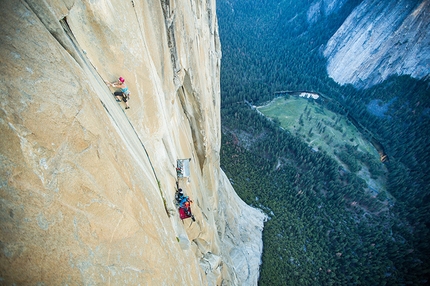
[(325, 228)]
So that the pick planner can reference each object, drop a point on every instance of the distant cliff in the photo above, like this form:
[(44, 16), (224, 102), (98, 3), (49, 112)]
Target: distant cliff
[(323, 8), (87, 187), (379, 39)]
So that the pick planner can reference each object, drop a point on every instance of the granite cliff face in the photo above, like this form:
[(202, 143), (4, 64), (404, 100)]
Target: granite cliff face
[(379, 39), (87, 188), (323, 8)]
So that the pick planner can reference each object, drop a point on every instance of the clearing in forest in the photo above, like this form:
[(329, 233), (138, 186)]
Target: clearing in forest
[(321, 128), (324, 130)]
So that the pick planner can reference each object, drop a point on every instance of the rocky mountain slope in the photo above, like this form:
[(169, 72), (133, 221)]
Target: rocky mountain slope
[(87, 188), (379, 39), (323, 8)]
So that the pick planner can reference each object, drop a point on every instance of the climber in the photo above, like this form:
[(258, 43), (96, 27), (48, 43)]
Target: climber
[(183, 202), (124, 93), (181, 199), (178, 171), (179, 195), (187, 207)]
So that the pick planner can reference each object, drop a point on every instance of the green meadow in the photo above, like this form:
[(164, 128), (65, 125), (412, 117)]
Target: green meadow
[(321, 128), (326, 131)]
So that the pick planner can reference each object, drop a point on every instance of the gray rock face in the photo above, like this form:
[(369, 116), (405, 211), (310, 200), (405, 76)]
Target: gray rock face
[(240, 228), (379, 39), (323, 8)]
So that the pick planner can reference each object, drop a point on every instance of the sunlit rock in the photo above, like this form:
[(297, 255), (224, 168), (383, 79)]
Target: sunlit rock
[(87, 187)]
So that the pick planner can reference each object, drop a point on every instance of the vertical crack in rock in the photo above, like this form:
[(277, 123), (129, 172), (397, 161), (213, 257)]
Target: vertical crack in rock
[(169, 22), (188, 96), (62, 32), (47, 17), (74, 51), (210, 18), (147, 155)]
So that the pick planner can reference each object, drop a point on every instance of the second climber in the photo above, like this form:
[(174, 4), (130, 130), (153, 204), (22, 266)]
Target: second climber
[(123, 93)]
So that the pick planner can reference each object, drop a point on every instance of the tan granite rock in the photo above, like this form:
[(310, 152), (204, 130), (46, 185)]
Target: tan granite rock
[(87, 187)]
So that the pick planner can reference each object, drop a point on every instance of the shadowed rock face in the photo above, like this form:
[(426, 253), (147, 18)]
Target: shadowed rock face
[(379, 39), (87, 188), (323, 8)]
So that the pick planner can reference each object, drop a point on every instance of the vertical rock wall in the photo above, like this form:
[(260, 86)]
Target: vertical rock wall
[(380, 39), (87, 188)]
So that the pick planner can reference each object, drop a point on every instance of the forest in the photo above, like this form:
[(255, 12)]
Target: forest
[(325, 228)]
